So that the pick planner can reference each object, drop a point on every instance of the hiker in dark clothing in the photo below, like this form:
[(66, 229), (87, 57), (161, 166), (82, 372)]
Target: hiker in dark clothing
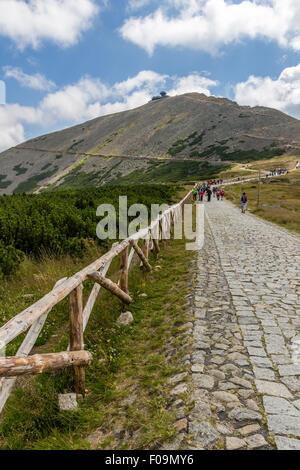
[(209, 192)]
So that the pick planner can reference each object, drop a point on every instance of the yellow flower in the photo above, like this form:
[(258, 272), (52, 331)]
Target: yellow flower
[(86, 390)]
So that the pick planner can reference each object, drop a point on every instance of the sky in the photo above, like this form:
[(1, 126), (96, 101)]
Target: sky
[(63, 62)]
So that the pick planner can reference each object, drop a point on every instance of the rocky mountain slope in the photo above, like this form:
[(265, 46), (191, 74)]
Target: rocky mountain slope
[(173, 137)]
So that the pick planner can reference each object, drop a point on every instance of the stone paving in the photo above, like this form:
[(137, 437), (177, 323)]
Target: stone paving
[(246, 359)]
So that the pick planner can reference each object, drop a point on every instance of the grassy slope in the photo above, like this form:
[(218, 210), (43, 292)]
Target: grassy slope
[(128, 362), (283, 192)]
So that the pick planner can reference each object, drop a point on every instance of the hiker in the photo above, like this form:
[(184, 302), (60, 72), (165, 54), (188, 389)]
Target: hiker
[(201, 194), (194, 191), (222, 194), (218, 194), (209, 192), (244, 201)]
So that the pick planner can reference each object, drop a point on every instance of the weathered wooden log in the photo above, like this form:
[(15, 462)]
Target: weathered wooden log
[(76, 336), (110, 286), (156, 248), (124, 270), (6, 384), (38, 363), (141, 255), (25, 319), (145, 248)]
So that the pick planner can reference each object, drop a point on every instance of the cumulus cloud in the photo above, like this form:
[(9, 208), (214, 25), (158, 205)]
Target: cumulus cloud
[(30, 22), (192, 83), (90, 98), (35, 81), (282, 93), (209, 24)]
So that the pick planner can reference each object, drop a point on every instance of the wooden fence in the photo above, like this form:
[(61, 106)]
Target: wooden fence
[(33, 318)]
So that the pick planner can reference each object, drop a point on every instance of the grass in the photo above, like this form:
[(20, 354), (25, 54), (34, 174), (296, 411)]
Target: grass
[(128, 399), (282, 192)]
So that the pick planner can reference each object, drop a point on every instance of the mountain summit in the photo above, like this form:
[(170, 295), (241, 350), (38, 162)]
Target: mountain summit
[(174, 130)]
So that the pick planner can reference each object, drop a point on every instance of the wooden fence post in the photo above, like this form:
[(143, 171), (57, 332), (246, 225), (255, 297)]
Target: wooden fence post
[(76, 336), (124, 270)]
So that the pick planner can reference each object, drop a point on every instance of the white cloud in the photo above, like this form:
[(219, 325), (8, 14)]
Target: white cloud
[(282, 93), (209, 24), (90, 98), (192, 83), (36, 81), (30, 22)]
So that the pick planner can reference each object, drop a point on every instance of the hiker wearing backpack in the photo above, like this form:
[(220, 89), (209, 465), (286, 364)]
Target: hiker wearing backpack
[(222, 194), (244, 201), (194, 191)]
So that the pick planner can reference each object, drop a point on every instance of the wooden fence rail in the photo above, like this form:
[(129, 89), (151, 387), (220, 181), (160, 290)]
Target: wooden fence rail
[(34, 317)]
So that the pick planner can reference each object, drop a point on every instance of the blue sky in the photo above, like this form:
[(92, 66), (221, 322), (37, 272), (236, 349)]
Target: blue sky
[(65, 62)]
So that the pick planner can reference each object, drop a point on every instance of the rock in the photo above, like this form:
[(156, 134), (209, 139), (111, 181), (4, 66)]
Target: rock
[(201, 410), (234, 443), (272, 388), (203, 381), (181, 425), (291, 369), (245, 393), (143, 295), (197, 368), (67, 402), (177, 378), (286, 443), (251, 404), (226, 386), (180, 388), (277, 405), (246, 430), (205, 434), (218, 374), (236, 356), (230, 368), (224, 429), (125, 319), (243, 414), (296, 403), (256, 441), (280, 424), (242, 382), (225, 397)]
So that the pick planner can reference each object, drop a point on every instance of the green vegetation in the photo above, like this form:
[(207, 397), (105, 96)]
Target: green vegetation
[(75, 144), (181, 144), (280, 199), (4, 184), (60, 222), (241, 155), (19, 170), (32, 182), (171, 172), (46, 166)]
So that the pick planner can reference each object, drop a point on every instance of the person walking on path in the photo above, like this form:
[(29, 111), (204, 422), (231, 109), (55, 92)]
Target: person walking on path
[(201, 194), (222, 194), (209, 191), (194, 191), (218, 194), (244, 201)]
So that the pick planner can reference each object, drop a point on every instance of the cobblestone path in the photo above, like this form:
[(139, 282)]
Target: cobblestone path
[(246, 330)]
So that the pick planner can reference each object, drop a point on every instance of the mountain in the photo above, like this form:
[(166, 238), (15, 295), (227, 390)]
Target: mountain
[(171, 138)]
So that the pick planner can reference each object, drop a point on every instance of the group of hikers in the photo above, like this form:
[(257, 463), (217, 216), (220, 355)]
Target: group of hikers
[(205, 189)]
